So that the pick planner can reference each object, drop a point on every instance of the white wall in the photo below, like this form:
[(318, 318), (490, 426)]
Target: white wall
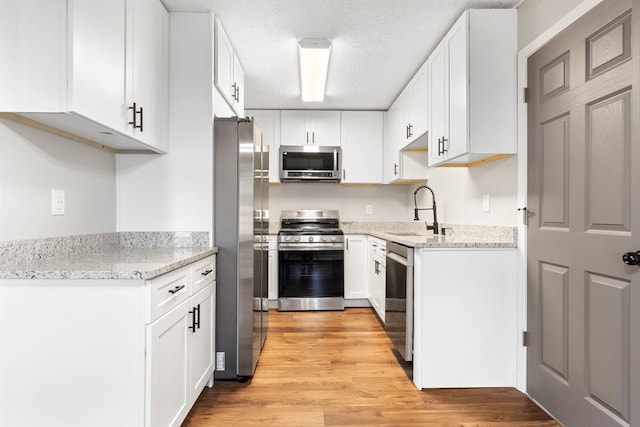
[(33, 162), (459, 193), (536, 16), (389, 202), (174, 192)]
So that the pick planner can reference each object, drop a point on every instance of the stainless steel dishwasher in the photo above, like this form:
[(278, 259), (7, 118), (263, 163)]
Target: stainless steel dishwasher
[(398, 312)]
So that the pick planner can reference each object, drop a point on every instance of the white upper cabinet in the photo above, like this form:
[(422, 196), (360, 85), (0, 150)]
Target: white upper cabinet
[(229, 75), (302, 127), (413, 106), (473, 89), (149, 58), (78, 65), (269, 123), (362, 138)]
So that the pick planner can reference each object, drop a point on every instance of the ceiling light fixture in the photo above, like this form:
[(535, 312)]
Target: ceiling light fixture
[(314, 64)]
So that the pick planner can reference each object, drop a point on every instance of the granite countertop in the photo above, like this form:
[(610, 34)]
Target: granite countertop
[(413, 234), (117, 263), (105, 256), (416, 240)]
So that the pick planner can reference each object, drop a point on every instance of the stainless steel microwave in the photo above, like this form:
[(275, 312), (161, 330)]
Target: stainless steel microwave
[(304, 163)]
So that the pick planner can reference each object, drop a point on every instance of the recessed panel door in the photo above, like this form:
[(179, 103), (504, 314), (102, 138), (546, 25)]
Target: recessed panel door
[(584, 203)]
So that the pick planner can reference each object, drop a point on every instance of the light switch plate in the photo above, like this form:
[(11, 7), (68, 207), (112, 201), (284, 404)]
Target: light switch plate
[(486, 203), (369, 210), (57, 202)]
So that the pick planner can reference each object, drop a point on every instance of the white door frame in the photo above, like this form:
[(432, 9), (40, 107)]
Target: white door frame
[(523, 55)]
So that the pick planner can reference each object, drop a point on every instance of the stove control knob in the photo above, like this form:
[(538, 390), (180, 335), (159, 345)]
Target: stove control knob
[(311, 238), (287, 238), (297, 238), (334, 238)]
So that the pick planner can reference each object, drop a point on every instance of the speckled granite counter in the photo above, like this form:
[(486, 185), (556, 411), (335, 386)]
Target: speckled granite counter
[(102, 256), (413, 234)]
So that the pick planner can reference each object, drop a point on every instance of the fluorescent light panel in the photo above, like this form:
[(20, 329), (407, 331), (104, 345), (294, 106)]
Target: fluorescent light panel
[(314, 64)]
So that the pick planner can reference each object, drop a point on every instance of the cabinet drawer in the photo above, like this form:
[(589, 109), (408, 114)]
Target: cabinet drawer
[(166, 292), (203, 273)]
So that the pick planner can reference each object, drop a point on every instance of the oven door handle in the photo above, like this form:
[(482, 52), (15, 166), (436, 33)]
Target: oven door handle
[(297, 248)]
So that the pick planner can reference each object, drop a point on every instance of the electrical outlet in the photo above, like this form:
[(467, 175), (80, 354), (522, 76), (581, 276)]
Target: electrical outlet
[(486, 203), (57, 202), (369, 210), (220, 361)]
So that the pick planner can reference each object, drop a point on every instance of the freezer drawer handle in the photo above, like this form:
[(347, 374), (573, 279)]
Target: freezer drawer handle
[(176, 289)]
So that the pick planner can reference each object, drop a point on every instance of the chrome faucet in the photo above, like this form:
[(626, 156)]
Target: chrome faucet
[(435, 226)]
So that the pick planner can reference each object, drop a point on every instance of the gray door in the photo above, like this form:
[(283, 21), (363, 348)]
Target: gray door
[(583, 359)]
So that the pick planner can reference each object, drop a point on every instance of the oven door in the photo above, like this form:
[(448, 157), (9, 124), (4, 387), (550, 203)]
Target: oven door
[(310, 279)]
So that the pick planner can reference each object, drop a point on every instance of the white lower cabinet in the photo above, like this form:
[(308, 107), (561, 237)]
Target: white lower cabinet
[(179, 359), (105, 353), (464, 317), (355, 267), (168, 398), (377, 272)]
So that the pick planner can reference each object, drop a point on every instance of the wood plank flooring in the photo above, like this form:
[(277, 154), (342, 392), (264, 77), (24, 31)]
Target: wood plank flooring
[(337, 369)]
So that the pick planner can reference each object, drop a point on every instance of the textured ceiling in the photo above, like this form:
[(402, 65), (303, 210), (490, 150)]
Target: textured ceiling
[(377, 45)]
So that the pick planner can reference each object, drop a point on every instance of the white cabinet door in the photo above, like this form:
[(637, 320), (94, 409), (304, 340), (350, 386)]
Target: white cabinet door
[(224, 64), (302, 127), (458, 83), (376, 273), (238, 81), (355, 267), (169, 396), (325, 127), (391, 160), (269, 123), (437, 102), (229, 75), (202, 340), (149, 73), (294, 127), (362, 138), (420, 107), (404, 106), (97, 88)]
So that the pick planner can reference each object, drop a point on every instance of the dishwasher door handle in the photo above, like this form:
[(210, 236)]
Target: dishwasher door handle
[(397, 258)]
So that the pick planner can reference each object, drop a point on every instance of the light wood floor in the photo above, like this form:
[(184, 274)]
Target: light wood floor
[(337, 369)]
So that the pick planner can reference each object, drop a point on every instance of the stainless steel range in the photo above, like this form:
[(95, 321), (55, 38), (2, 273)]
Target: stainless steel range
[(311, 261)]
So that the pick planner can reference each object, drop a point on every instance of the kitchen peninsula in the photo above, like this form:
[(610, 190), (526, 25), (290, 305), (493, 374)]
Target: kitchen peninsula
[(106, 329), (464, 302)]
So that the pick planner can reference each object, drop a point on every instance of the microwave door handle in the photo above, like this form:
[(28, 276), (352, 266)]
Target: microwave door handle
[(335, 160)]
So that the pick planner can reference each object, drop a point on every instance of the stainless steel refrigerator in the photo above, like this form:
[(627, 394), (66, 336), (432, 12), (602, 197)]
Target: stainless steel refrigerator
[(241, 225)]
